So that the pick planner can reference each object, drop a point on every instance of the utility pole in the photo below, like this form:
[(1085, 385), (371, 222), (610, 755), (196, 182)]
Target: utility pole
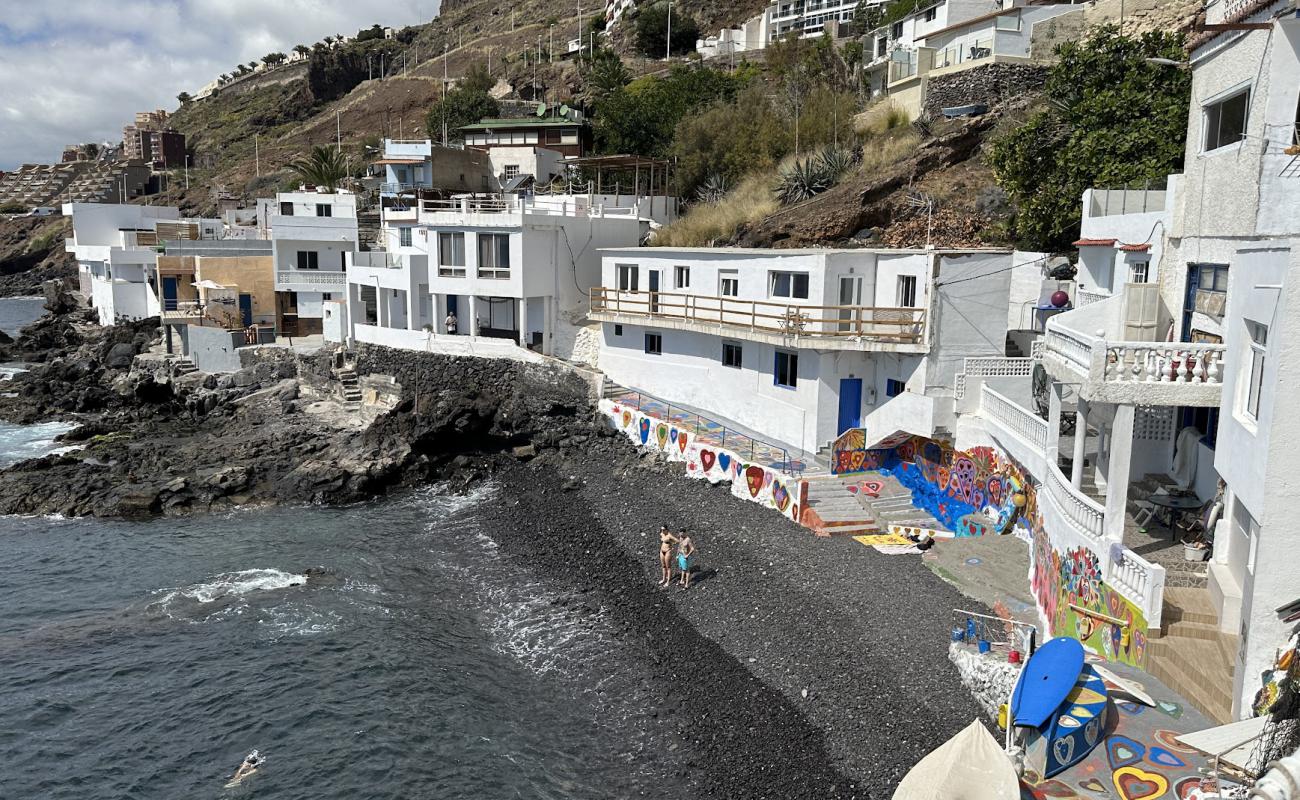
[(489, 62), (551, 45), (445, 50), (257, 156), (338, 127), (381, 66), (512, 20), (580, 27), (187, 171), (668, 48)]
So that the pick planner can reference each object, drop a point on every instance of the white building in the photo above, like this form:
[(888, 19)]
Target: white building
[(803, 18), (511, 268), (312, 234), (412, 165), (799, 346), (115, 249)]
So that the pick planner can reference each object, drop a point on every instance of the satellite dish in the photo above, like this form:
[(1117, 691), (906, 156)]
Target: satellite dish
[(565, 110), (541, 109)]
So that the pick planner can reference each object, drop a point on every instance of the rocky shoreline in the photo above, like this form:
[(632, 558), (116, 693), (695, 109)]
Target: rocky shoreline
[(795, 667)]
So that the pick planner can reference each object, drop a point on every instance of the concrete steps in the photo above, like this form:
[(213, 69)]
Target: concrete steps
[(1191, 655), (185, 367), (348, 385)]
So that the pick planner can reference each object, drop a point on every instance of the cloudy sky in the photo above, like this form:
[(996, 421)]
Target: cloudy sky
[(78, 70)]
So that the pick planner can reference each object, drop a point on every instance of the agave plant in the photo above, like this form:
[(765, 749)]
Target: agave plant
[(809, 177), (835, 161), (713, 189), (325, 168)]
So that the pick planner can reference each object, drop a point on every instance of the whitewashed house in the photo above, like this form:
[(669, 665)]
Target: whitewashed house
[(799, 346), (512, 269), (801, 18), (312, 234)]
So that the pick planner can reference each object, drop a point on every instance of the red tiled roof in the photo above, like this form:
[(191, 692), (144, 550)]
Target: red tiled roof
[(1135, 248), (1095, 243)]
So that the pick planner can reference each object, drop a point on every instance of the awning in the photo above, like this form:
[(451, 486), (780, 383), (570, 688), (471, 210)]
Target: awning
[(1135, 248), (209, 284), (399, 161)]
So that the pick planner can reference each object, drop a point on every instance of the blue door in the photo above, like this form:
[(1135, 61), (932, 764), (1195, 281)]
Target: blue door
[(169, 292), (850, 403), (246, 309)]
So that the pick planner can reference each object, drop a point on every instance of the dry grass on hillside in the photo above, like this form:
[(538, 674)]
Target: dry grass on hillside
[(708, 223)]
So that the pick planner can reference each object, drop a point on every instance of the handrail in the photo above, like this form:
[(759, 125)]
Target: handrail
[(790, 319), (1140, 581), (684, 415), (1164, 362), (1021, 421), (1086, 514)]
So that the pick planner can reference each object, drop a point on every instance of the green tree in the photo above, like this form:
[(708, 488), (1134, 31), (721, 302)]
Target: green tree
[(640, 118), (476, 78), (270, 59), (605, 74), (373, 32), (731, 139), (652, 31), (459, 107), (1112, 118), (325, 168), (183, 98), (301, 49)]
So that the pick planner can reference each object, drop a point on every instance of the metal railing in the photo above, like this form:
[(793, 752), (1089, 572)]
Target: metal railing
[(732, 440), (1084, 297), (897, 325)]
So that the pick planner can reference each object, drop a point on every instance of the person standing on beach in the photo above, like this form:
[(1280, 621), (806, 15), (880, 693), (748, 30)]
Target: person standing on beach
[(666, 542), (685, 554)]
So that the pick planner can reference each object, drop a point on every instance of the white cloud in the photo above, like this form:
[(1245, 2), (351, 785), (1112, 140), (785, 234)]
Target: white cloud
[(78, 70)]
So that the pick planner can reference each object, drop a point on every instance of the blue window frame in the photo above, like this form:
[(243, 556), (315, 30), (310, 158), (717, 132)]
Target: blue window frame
[(785, 371), (894, 388)]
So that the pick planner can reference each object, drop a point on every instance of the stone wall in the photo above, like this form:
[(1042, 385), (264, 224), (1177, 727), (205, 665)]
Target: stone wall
[(989, 678), (989, 84), (1139, 16)]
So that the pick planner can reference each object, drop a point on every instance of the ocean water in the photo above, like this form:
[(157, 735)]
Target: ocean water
[(146, 659), (19, 442), (17, 313)]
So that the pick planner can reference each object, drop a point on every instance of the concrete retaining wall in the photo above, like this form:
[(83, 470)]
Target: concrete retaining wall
[(213, 349), (988, 84)]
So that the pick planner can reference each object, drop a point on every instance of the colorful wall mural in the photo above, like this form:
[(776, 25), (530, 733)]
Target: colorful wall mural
[(849, 453), (972, 493), (981, 491), (753, 482), (1064, 582)]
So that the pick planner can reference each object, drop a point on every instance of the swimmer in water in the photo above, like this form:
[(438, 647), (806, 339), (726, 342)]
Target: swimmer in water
[(251, 762)]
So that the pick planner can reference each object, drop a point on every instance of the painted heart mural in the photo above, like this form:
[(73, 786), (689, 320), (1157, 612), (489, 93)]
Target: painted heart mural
[(1122, 751), (724, 461), (780, 496), (661, 433), (707, 459), (872, 488), (1093, 785), (754, 479), (681, 442), (645, 430), (627, 418), (1134, 783), (1172, 709), (1162, 757), (1170, 741)]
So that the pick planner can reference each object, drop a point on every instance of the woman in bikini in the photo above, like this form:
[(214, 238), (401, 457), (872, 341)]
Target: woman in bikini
[(666, 542)]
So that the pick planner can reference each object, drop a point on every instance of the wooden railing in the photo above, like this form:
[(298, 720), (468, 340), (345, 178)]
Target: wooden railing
[(900, 325)]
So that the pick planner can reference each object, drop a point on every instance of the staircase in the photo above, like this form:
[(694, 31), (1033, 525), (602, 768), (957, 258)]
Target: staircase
[(368, 231), (841, 506), (351, 390), (1192, 656), (184, 366)]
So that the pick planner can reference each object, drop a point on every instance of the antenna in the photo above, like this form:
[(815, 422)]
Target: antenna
[(919, 199)]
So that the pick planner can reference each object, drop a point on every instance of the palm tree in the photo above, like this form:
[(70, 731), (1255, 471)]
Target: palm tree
[(325, 168)]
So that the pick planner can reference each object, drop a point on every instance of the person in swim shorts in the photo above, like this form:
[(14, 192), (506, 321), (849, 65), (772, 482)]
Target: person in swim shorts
[(685, 557)]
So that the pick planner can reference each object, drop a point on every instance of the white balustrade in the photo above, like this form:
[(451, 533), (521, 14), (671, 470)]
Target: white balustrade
[(1020, 421), (310, 277), (1140, 581), (1084, 514), (1084, 297), (1071, 345), (1164, 362)]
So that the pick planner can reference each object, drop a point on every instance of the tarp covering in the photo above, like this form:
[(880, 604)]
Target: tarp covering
[(969, 766)]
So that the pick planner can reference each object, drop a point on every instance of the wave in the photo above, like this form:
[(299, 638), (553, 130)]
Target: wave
[(232, 586)]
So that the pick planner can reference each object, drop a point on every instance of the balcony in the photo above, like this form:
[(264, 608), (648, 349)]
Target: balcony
[(840, 327), (309, 280)]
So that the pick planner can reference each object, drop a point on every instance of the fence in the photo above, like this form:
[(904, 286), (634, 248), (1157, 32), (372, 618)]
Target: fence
[(702, 426), (1001, 634)]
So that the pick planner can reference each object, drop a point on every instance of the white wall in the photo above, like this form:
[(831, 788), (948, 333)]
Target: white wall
[(970, 313), (99, 223)]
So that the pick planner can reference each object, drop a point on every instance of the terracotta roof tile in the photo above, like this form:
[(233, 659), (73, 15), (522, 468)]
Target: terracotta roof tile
[(1095, 243), (1135, 248)]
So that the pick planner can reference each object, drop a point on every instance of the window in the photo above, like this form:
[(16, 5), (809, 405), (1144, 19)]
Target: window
[(494, 255), (907, 291), (882, 46), (324, 210), (327, 296), (729, 284), (654, 344), (307, 259), (894, 388), (286, 209), (731, 355), (682, 277), (931, 13), (451, 254), (618, 330), (1139, 271), (511, 171), (896, 32), (1225, 120), (628, 276), (1255, 377), (1213, 278), (788, 284), (786, 371), (404, 236)]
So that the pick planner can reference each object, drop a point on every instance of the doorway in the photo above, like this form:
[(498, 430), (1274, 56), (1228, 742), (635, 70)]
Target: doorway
[(850, 404), (850, 295), (246, 309), (169, 289), (653, 286)]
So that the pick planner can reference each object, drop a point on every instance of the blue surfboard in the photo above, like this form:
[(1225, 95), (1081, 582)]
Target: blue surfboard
[(1074, 729), (1047, 678)]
